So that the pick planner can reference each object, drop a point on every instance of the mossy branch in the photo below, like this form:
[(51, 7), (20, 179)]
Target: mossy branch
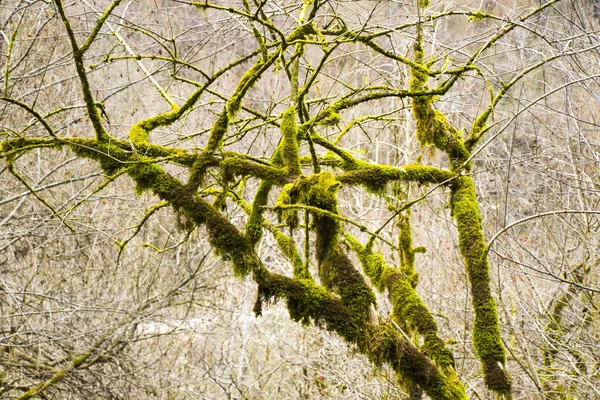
[(407, 304), (92, 109), (486, 330), (381, 343)]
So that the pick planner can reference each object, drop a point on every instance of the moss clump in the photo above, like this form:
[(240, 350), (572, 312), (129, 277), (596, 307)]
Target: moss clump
[(479, 16), (22, 144), (405, 243), (287, 196), (289, 151), (254, 226), (330, 118), (434, 128), (288, 247), (301, 32), (372, 263), (218, 131), (145, 175), (407, 305), (486, 331), (374, 178), (248, 80)]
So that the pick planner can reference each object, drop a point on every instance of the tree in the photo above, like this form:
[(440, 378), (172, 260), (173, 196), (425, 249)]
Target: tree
[(299, 115)]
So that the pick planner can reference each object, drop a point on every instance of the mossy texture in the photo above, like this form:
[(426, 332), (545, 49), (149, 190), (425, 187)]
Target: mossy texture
[(386, 345), (140, 132), (238, 166), (407, 305), (110, 156), (382, 343), (307, 301), (486, 331), (254, 226), (335, 268), (375, 178), (289, 132)]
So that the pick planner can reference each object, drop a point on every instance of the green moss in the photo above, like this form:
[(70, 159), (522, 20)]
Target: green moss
[(479, 16), (307, 301), (372, 263), (330, 118), (218, 131), (335, 268), (145, 175), (238, 166), (223, 236), (140, 132), (479, 126), (289, 151), (288, 195), (375, 177), (434, 128), (290, 251), (407, 305), (248, 80), (386, 345), (301, 32), (486, 330), (22, 144), (254, 226), (420, 249), (405, 244), (111, 157)]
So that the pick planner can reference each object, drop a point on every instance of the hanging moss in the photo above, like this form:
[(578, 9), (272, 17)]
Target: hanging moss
[(386, 345), (381, 343), (486, 331)]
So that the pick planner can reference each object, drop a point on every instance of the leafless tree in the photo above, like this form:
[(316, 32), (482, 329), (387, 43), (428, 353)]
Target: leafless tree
[(415, 183)]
